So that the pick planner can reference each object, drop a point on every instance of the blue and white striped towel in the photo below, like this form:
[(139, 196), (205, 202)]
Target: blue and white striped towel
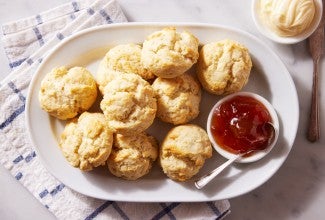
[(26, 42)]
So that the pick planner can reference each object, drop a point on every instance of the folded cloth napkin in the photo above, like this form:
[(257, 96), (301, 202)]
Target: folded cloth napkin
[(26, 42)]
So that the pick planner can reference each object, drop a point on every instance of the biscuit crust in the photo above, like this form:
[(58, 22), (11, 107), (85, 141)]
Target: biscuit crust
[(184, 151), (65, 93), (129, 104), (168, 53), (86, 142), (224, 67), (178, 99), (132, 156)]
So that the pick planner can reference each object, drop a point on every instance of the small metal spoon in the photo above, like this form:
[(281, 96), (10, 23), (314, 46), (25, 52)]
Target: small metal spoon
[(204, 180)]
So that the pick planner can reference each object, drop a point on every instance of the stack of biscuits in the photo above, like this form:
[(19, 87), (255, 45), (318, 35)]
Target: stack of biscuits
[(138, 83)]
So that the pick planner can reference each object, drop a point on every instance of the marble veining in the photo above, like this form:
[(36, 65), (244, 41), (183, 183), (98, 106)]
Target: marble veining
[(296, 191)]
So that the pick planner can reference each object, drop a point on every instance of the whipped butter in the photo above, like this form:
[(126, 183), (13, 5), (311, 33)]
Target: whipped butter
[(287, 17)]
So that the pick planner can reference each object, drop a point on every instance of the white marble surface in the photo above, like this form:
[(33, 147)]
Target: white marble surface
[(296, 191)]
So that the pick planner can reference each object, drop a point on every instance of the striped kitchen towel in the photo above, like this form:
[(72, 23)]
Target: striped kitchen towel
[(26, 42)]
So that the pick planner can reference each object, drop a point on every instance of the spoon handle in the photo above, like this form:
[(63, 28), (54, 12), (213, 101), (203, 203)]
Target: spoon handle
[(208, 177), (313, 130)]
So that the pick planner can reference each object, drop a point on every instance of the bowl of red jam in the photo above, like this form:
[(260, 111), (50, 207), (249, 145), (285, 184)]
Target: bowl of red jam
[(241, 122)]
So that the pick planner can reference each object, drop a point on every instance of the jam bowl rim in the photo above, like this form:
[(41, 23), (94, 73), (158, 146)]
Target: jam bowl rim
[(256, 155)]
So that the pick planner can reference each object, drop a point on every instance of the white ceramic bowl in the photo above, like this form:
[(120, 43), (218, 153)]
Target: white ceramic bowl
[(257, 155), (286, 40)]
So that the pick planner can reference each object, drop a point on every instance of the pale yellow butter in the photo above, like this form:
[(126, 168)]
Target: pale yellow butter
[(287, 17)]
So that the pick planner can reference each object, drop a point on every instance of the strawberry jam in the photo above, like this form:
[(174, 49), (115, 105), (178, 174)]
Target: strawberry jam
[(238, 125)]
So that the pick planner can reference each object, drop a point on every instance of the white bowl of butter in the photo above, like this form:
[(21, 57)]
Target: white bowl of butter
[(287, 21)]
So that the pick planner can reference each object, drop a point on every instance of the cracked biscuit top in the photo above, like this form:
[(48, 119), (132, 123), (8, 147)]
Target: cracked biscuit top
[(86, 142), (224, 67), (168, 53), (65, 93), (129, 104), (178, 99), (132, 155), (184, 151)]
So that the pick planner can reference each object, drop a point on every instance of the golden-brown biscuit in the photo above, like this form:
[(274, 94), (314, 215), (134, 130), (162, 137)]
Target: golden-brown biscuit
[(168, 53), (65, 93), (224, 67), (123, 58), (132, 156), (129, 104), (178, 99), (86, 142), (184, 151)]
